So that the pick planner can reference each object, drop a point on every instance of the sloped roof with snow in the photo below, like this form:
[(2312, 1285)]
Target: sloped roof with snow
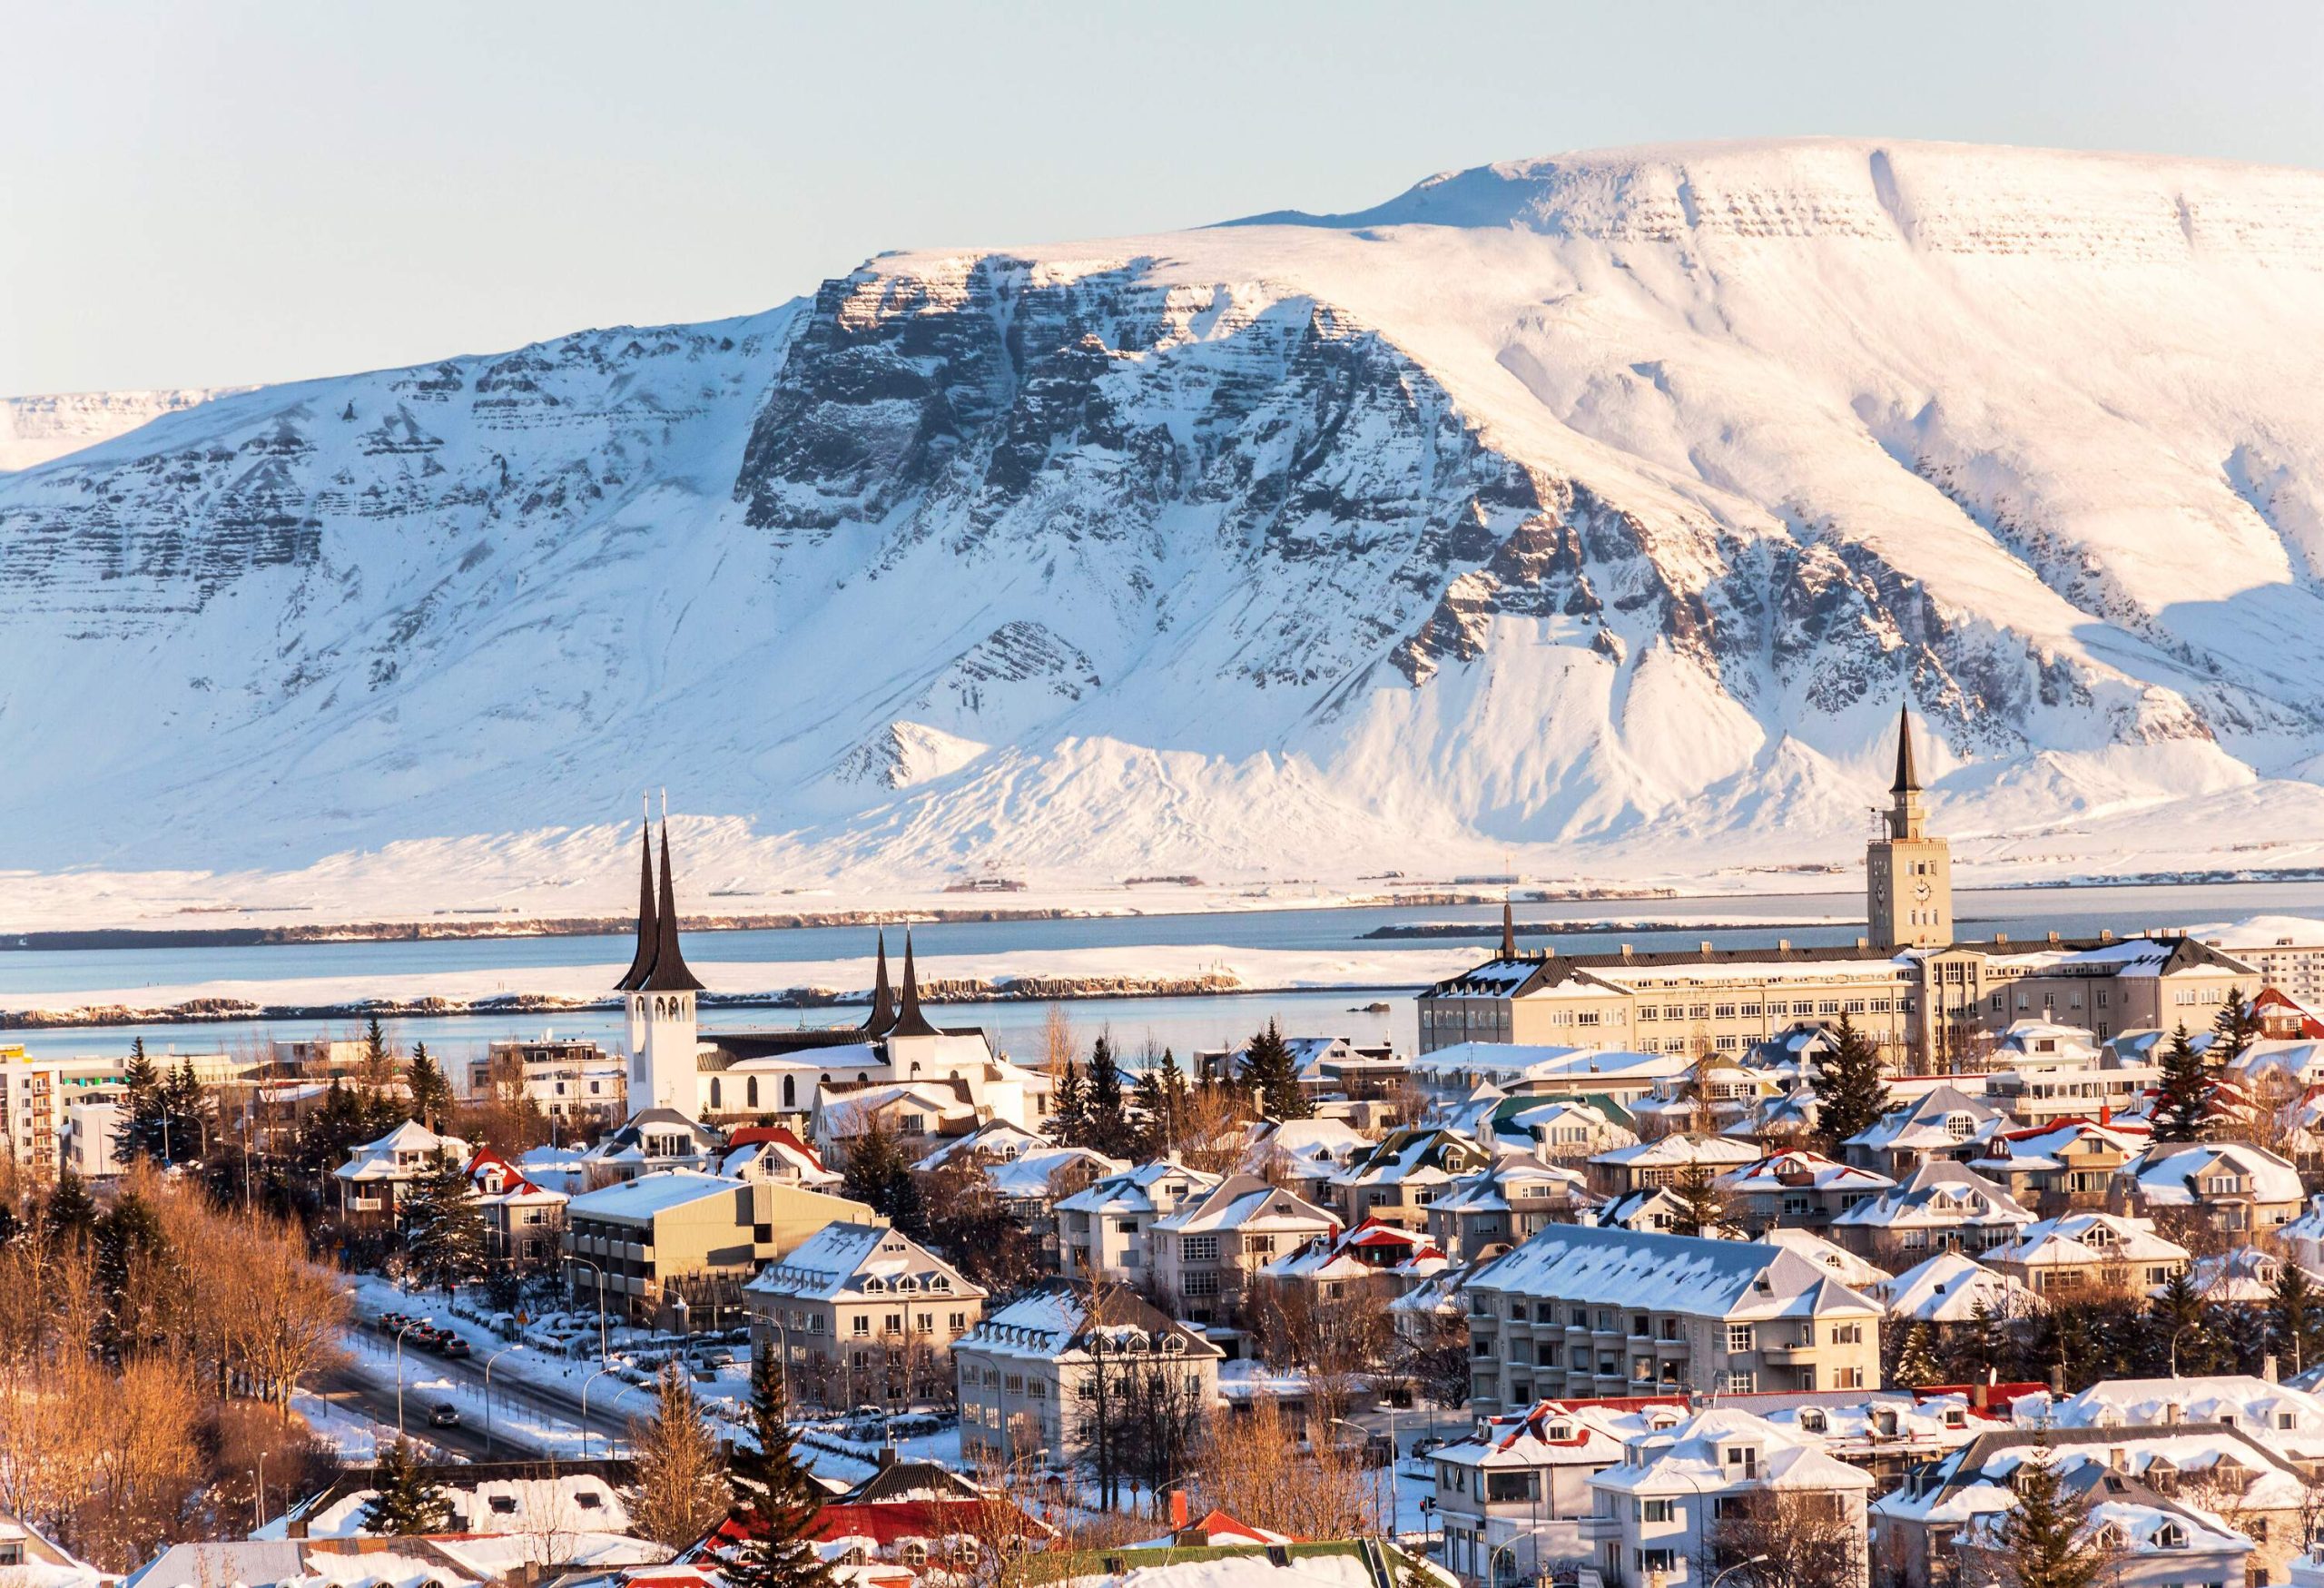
[(1939, 1194), (2072, 1239), (1247, 1203), (849, 1261), (1669, 1273), (1692, 1458), (1947, 1289), (2170, 1174)]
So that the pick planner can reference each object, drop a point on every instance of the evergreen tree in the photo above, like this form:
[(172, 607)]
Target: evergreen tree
[(430, 1093), (1162, 1100), (185, 1111), (906, 1209), (1971, 1352), (875, 1165), (1850, 1093), (2292, 1323), (1702, 1206), (1069, 1109), (129, 1239), (1916, 1363), (138, 1134), (2180, 1342), (1109, 1127), (775, 1500), (444, 1227), (1273, 1076), (2234, 1029), (404, 1503), (71, 1213), (2041, 1537), (681, 1487), (2184, 1091)]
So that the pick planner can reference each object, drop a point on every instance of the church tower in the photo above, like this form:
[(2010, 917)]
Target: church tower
[(659, 997), (1908, 876)]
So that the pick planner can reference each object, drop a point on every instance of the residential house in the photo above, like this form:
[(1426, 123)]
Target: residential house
[(574, 1081), (1797, 1189), (1396, 1177), (1667, 1161), (1030, 1375), (918, 1115), (1945, 1123), (2232, 1186), (379, 1175), (1943, 1205), (1544, 1071), (2088, 1251), (679, 1235), (2067, 1164), (1949, 1289), (1103, 1228), (651, 1141), (1844, 1265), (1514, 1496), (772, 1152), (863, 1310), (1337, 1263), (1939, 1527), (1581, 1311), (1484, 1214), (1672, 1507), (1205, 1251), (1303, 1154), (524, 1223)]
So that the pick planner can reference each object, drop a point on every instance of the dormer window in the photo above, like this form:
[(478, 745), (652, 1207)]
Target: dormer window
[(2171, 1536)]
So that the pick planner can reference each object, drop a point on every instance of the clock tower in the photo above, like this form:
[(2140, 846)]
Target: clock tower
[(1908, 876)]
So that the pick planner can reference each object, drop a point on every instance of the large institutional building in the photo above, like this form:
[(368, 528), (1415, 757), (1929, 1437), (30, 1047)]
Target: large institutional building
[(1931, 1002)]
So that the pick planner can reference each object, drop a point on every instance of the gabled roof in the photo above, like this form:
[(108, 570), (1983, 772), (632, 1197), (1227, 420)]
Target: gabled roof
[(1667, 1273), (1948, 1288), (1058, 1320), (1245, 1201), (852, 1260)]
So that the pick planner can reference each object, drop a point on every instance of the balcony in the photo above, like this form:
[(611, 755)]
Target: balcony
[(1795, 1355)]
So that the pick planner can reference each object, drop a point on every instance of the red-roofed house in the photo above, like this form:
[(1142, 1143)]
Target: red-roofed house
[(524, 1222), (2284, 1018)]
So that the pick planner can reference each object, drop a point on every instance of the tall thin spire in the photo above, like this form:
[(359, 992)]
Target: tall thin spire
[(669, 972), (883, 997), (642, 960), (1508, 932), (1908, 779), (910, 1020)]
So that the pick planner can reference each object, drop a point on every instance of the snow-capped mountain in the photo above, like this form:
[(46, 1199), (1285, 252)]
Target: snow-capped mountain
[(34, 430), (1592, 511)]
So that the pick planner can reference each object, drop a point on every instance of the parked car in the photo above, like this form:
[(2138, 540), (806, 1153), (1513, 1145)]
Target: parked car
[(444, 1414), (1429, 1445), (718, 1357), (455, 1347)]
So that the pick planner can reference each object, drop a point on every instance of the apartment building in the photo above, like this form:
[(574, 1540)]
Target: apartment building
[(1028, 1375), (1103, 1229), (680, 1234), (1583, 1311), (1206, 1252), (865, 1299), (574, 1081)]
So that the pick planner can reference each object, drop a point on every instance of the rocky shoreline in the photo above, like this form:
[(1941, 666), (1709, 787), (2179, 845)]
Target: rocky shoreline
[(1004, 990)]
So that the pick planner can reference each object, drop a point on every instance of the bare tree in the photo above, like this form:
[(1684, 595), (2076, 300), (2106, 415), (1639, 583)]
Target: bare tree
[(1784, 1538), (1250, 1465)]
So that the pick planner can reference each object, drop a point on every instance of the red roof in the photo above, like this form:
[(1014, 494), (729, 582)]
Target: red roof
[(754, 1135)]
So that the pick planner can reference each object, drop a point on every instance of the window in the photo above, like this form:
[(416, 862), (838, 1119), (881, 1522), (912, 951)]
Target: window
[(913, 1124), (1654, 1510), (862, 1324), (1657, 1560), (1199, 1282), (1198, 1249), (1740, 1337)]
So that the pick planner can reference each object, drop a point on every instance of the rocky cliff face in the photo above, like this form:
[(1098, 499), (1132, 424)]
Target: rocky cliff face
[(1544, 508)]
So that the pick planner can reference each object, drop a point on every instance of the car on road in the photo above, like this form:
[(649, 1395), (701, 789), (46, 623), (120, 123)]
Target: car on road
[(455, 1347), (1429, 1445), (443, 1414)]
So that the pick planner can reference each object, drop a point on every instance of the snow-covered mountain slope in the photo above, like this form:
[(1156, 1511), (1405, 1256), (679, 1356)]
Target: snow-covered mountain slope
[(1592, 512), (34, 430)]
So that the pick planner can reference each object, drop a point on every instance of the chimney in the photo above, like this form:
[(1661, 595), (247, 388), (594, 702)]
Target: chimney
[(1626, 950), (2057, 1380), (1864, 943), (2106, 934), (2118, 1459), (1178, 1510), (887, 1457), (2268, 1367), (2001, 937), (1978, 1396), (1783, 945), (2053, 937), (1705, 946)]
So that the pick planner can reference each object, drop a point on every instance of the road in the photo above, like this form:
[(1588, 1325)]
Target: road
[(612, 1402), (345, 1387)]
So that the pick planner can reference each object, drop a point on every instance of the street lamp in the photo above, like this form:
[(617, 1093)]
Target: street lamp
[(258, 1501), (1510, 1549), (489, 1361), (412, 1324), (2181, 1329), (585, 1383), (575, 1257)]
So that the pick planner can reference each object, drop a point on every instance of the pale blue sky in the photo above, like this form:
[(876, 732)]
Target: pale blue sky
[(220, 193)]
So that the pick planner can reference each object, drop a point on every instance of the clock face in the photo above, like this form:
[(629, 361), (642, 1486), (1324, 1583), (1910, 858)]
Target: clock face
[(1922, 890)]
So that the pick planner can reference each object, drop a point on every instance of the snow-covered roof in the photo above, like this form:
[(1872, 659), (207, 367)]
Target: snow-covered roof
[(850, 1261), (2074, 1239), (1853, 1271), (1134, 1190), (1938, 1195), (1678, 1152), (1248, 1204), (2174, 1174), (1669, 1273), (1057, 1320), (404, 1153), (1803, 1170), (1693, 1458), (1947, 1289), (650, 1194)]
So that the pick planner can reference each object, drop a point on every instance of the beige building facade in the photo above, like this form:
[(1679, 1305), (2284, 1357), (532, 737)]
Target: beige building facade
[(678, 1233)]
